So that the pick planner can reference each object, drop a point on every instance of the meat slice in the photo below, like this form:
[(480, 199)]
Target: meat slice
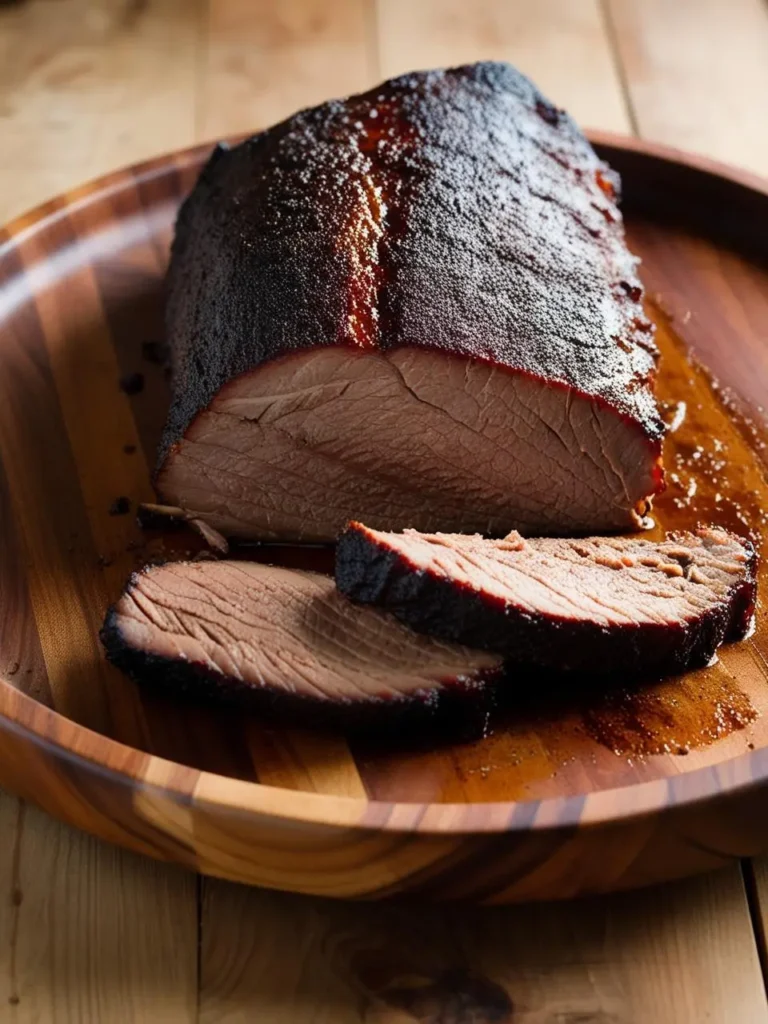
[(597, 604), (281, 640), (413, 307)]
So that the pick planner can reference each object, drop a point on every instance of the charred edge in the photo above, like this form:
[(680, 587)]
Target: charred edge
[(743, 599), (368, 573), (459, 710)]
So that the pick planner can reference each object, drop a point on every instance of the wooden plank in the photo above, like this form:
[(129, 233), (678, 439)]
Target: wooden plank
[(263, 61), (674, 955), (697, 74), (90, 85), (88, 932), (561, 44)]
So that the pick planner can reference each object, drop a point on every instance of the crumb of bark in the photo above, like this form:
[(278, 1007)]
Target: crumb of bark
[(151, 517), (129, 449), (104, 562), (132, 383), (155, 352), (132, 545), (14, 668), (120, 506)]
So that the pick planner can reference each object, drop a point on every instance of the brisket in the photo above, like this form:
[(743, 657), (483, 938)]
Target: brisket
[(284, 642), (413, 307), (598, 604)]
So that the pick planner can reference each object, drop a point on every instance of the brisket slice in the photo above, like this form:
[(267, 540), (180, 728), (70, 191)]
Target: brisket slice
[(413, 307), (598, 604), (281, 640)]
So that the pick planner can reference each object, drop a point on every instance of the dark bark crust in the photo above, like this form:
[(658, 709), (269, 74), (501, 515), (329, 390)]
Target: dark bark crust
[(455, 210), (372, 573)]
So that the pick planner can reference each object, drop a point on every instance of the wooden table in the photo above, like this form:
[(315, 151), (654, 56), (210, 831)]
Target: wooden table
[(89, 933)]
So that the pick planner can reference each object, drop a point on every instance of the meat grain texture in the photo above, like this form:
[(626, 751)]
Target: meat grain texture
[(598, 604), (413, 307), (285, 643)]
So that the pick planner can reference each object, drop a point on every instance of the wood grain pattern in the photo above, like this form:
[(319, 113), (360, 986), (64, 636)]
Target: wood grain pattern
[(91, 933), (89, 85), (679, 953), (315, 49), (697, 74), (561, 44), (84, 86), (534, 811)]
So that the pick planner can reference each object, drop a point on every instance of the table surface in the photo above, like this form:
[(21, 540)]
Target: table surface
[(91, 933)]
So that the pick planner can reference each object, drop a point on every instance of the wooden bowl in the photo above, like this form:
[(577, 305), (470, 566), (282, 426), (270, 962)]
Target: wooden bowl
[(576, 793)]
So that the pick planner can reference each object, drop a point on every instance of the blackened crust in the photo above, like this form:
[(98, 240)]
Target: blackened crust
[(371, 573), (459, 707), (484, 225), (743, 599)]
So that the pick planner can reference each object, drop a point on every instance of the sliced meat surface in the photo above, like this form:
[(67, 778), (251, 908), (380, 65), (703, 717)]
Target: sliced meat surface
[(597, 604), (413, 307), (403, 438), (280, 640)]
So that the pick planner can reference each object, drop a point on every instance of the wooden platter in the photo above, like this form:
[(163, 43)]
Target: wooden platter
[(570, 793)]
